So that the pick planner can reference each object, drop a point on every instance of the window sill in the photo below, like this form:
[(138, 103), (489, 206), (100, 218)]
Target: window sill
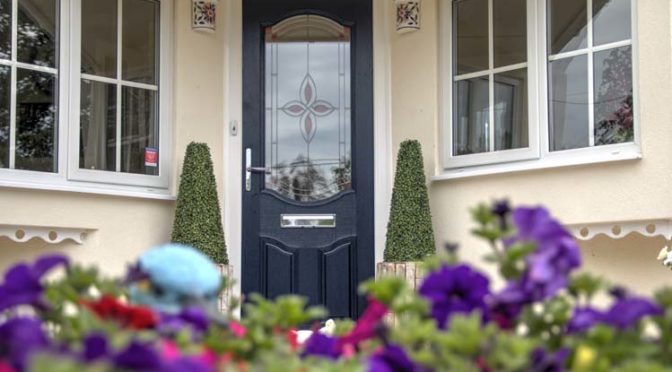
[(553, 161), (91, 188)]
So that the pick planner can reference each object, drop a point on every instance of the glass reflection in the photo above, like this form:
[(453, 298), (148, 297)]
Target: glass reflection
[(5, 102), (99, 38), (511, 110), (611, 21), (5, 29), (139, 130), (471, 35), (35, 121), (614, 120), (568, 25), (139, 40), (568, 103), (470, 127), (308, 109), (510, 32), (97, 144), (36, 32)]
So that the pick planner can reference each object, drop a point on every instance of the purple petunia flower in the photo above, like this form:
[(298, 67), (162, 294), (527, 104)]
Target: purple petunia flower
[(630, 310), (19, 337), (138, 356), (194, 317), (584, 318), (543, 361), (548, 267), (623, 314), (321, 345), (22, 284), (456, 289), (557, 253), (95, 347), (392, 359)]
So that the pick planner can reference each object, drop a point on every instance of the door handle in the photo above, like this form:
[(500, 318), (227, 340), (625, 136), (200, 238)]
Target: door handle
[(259, 170), (249, 169)]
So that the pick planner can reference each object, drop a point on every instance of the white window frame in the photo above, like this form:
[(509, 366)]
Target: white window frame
[(69, 177), (511, 160)]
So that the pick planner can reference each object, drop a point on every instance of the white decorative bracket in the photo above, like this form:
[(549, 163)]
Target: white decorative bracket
[(620, 229), (51, 235)]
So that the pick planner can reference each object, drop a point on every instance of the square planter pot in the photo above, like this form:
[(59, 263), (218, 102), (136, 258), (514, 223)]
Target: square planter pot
[(411, 272)]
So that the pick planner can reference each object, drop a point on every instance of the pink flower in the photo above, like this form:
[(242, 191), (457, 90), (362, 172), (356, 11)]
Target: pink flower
[(237, 329), (169, 350), (366, 325)]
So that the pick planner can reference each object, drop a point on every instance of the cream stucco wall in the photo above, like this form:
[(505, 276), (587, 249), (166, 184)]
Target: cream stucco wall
[(122, 227), (625, 190)]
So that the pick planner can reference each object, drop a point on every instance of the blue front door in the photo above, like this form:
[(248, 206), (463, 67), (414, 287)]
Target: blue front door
[(308, 223)]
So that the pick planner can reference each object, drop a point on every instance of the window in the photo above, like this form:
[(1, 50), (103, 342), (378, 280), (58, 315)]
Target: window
[(527, 88), (83, 93), (29, 85)]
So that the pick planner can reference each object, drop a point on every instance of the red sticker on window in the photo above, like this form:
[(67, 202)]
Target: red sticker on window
[(151, 157)]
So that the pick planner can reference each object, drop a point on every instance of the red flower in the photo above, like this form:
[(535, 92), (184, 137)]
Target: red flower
[(109, 308), (292, 338)]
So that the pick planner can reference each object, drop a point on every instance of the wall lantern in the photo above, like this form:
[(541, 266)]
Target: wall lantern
[(203, 15), (408, 15)]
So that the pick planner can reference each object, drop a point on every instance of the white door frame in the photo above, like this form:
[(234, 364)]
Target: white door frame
[(233, 113)]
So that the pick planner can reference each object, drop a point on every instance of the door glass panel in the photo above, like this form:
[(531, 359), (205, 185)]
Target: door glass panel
[(307, 108)]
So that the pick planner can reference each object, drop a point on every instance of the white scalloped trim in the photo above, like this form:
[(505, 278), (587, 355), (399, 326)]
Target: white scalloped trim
[(620, 229), (51, 235)]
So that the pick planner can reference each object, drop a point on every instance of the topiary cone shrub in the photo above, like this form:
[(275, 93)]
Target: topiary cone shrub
[(410, 237), (198, 220)]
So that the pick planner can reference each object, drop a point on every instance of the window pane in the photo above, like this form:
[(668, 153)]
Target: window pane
[(511, 110), (36, 121), (470, 127), (510, 32), (5, 87), (98, 133), (5, 29), (613, 96), (611, 21), (99, 37), (139, 49), (568, 24), (36, 37), (569, 103), (139, 130), (471, 35)]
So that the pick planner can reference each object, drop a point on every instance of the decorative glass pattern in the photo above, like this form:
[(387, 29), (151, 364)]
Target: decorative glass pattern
[(307, 128)]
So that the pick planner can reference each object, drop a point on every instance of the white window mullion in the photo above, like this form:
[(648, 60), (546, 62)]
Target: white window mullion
[(12, 111), (491, 80), (119, 46), (591, 81)]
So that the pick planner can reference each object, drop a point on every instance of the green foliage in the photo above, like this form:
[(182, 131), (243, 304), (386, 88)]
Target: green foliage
[(198, 219), (410, 236)]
